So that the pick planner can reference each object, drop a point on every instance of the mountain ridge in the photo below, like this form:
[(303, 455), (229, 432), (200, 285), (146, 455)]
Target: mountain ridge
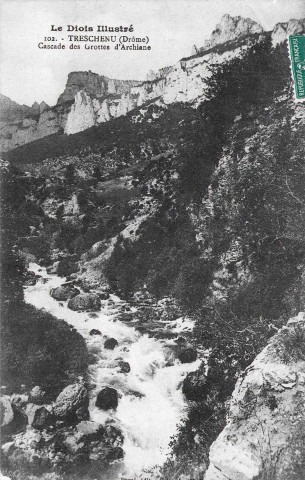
[(107, 98)]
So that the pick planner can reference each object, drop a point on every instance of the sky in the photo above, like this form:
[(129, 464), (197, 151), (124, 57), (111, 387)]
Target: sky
[(31, 74)]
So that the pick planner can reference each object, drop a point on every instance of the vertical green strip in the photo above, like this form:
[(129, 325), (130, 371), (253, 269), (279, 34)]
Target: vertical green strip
[(297, 55)]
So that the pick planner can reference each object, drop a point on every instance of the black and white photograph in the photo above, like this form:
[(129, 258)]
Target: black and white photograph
[(152, 275)]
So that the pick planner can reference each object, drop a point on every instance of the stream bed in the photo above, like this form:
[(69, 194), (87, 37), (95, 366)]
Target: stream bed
[(151, 404)]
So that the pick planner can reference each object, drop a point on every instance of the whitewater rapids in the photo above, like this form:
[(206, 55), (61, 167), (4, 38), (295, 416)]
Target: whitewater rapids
[(151, 404)]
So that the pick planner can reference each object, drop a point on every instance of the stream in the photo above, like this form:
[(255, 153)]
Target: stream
[(151, 404)]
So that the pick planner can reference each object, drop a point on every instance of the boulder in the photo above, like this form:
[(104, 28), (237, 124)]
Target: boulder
[(104, 295), (180, 341), (111, 343), (37, 395), (113, 436), (39, 417), (30, 280), (85, 301), (53, 269), (64, 292), (79, 451), (6, 411), (187, 355), (94, 331), (125, 367), (89, 431), (91, 437), (7, 449), (107, 398), (195, 386), (72, 404), (109, 448)]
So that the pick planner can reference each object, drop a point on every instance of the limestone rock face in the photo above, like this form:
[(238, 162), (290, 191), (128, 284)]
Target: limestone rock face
[(264, 436), (21, 124), (231, 28), (42, 107), (38, 108), (10, 110), (89, 82), (183, 82), (86, 112), (282, 30), (94, 85), (82, 115)]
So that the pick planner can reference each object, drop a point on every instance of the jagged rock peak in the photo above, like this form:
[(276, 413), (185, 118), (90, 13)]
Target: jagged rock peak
[(94, 84), (38, 108), (161, 73), (35, 107), (43, 106), (283, 29), (10, 110), (230, 28)]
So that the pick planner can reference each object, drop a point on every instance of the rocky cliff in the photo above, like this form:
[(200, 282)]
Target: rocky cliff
[(264, 436), (282, 30), (10, 111), (20, 124), (183, 82), (23, 125), (86, 112), (95, 85), (103, 98), (231, 28)]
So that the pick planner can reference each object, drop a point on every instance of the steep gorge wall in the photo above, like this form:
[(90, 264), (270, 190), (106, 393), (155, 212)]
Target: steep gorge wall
[(183, 82), (89, 99), (33, 126), (95, 85)]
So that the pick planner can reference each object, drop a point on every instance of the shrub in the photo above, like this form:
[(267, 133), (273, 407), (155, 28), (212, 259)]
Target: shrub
[(38, 349), (291, 344)]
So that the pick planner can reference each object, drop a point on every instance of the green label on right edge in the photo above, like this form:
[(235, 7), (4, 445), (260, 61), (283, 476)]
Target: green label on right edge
[(297, 55)]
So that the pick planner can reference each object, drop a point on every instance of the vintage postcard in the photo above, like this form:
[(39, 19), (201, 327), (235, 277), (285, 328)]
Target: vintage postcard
[(152, 239)]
